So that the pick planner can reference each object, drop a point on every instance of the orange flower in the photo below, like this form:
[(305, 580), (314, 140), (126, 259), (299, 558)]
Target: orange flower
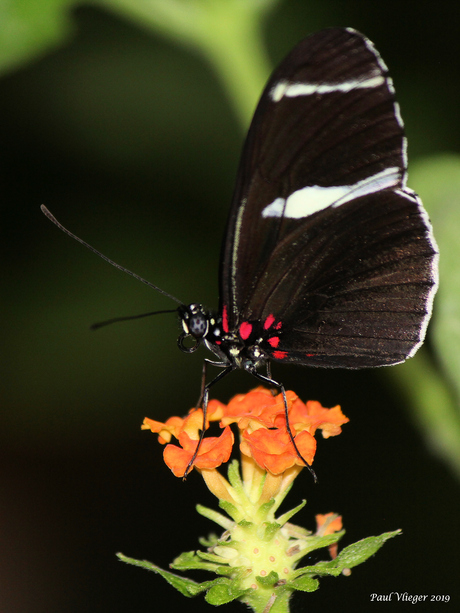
[(328, 523), (312, 416), (273, 449), (170, 428), (260, 417), (213, 452), (259, 405)]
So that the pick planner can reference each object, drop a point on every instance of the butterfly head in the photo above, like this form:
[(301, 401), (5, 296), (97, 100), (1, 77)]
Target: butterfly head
[(195, 323)]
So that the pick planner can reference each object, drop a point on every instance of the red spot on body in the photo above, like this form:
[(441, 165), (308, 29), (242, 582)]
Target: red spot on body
[(279, 355), (310, 355), (225, 318), (245, 330), (269, 321), (274, 341), (218, 342), (278, 325)]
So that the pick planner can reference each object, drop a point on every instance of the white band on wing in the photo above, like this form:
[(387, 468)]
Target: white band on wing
[(292, 90), (314, 198)]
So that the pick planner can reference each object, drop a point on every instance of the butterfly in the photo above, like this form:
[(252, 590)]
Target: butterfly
[(328, 259)]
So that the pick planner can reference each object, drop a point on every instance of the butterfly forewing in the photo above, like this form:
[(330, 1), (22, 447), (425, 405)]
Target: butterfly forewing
[(323, 235)]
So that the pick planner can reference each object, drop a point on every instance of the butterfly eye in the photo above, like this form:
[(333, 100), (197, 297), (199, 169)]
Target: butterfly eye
[(198, 325)]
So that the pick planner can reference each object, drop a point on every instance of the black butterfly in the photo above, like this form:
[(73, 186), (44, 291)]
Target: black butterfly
[(328, 258)]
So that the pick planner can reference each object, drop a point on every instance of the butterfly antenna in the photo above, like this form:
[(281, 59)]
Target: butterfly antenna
[(104, 257), (114, 320)]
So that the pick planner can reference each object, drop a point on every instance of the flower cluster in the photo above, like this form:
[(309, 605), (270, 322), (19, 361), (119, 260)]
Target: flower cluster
[(261, 422), (257, 556)]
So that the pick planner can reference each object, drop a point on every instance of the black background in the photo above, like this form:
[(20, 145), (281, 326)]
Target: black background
[(131, 143)]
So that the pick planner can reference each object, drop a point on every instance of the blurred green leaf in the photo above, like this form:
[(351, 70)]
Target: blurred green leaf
[(437, 180), (434, 408), (435, 388), (227, 33), (30, 28)]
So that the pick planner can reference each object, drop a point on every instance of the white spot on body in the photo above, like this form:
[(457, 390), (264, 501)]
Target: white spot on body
[(314, 198)]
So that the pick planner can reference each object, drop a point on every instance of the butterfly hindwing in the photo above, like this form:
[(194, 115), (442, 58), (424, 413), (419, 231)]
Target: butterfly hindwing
[(323, 235), (361, 298)]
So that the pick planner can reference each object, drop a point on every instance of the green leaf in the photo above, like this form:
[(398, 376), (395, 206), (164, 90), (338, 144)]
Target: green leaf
[(318, 542), (349, 557), (224, 591), (434, 388), (362, 550), (234, 476), (31, 27), (221, 594), (189, 560), (305, 583), (227, 33), (231, 510), (268, 530), (265, 509), (210, 541), (437, 180), (215, 516), (282, 519), (185, 586), (209, 557), (434, 407), (269, 580), (281, 496)]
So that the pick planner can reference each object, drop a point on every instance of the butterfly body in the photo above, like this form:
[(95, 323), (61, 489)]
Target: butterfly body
[(239, 348)]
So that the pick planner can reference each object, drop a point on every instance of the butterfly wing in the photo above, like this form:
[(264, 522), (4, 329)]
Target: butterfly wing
[(323, 234)]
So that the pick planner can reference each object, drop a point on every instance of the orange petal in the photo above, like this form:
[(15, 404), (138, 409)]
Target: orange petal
[(334, 526), (213, 452), (166, 430), (313, 416), (273, 449)]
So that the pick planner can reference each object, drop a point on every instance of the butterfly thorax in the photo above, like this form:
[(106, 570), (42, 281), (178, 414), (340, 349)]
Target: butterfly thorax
[(239, 347)]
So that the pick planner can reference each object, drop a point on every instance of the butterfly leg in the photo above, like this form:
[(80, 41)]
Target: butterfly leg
[(269, 375), (280, 387), (203, 402), (204, 371)]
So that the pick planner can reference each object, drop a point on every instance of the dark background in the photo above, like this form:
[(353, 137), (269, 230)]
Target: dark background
[(131, 143)]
